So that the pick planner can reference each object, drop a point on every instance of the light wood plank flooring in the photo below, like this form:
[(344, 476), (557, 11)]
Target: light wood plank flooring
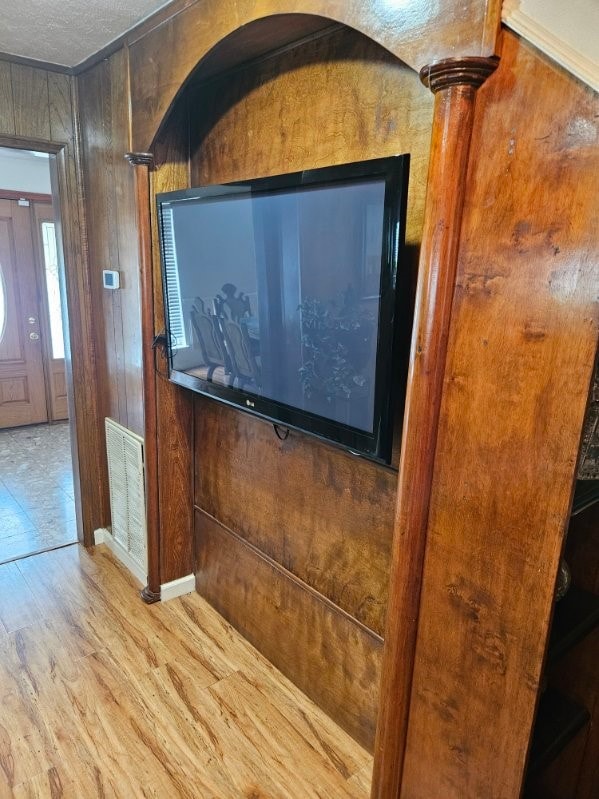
[(103, 696)]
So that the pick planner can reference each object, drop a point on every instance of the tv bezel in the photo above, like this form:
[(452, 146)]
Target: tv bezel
[(394, 308)]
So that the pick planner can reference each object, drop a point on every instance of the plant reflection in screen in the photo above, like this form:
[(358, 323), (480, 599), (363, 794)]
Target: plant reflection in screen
[(336, 344)]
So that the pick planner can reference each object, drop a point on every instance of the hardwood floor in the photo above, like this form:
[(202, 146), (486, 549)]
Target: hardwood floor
[(103, 696)]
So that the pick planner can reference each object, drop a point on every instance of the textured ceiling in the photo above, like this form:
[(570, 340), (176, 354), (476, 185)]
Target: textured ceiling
[(67, 31)]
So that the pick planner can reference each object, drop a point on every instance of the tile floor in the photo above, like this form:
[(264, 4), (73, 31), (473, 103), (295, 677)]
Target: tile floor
[(37, 509)]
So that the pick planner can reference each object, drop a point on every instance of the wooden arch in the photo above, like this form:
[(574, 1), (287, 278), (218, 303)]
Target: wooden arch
[(419, 33), (452, 49)]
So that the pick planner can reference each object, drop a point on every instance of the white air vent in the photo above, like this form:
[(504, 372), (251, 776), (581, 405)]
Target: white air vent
[(127, 497)]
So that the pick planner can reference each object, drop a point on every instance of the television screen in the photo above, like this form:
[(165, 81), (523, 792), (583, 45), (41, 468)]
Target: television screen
[(280, 296)]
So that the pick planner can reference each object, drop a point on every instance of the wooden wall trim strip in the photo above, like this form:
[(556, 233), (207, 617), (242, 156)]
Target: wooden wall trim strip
[(333, 660), (7, 194), (455, 83), (47, 66), (142, 163), (287, 575)]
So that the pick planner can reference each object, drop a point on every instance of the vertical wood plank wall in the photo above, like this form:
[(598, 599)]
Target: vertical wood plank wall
[(110, 207), (300, 529), (37, 104)]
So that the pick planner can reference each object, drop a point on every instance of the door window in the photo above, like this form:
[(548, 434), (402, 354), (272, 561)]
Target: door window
[(53, 288)]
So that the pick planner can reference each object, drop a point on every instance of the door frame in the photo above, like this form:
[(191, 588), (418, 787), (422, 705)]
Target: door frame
[(91, 503)]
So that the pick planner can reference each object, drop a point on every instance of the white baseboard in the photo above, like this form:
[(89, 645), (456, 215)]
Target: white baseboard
[(104, 536), (179, 587), (100, 536)]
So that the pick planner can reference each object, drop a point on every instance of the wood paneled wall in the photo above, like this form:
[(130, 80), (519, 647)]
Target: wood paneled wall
[(293, 538), (299, 529), (110, 208), (521, 353), (418, 32), (38, 106)]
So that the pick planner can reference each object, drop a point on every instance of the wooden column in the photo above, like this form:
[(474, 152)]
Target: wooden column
[(142, 163), (454, 82)]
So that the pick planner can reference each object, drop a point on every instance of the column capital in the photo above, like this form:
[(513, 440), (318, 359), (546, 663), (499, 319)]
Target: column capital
[(136, 159), (468, 71)]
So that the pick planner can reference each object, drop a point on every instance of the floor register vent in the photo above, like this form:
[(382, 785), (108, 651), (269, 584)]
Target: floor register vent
[(125, 452)]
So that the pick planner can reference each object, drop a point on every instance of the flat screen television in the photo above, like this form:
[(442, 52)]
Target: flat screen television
[(285, 297)]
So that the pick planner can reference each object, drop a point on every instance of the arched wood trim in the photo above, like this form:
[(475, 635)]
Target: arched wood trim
[(454, 83), (415, 32)]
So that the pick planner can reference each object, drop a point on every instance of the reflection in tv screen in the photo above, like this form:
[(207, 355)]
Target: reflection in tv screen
[(277, 294)]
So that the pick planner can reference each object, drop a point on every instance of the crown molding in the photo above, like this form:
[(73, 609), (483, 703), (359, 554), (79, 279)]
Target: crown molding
[(549, 43), (35, 63)]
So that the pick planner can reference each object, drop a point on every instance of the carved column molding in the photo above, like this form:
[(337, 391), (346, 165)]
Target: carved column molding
[(454, 82), (143, 162)]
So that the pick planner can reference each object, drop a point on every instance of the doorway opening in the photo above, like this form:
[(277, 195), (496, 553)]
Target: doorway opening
[(37, 506)]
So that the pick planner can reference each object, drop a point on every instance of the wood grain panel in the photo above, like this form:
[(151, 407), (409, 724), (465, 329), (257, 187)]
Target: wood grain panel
[(323, 514), (31, 102), (7, 109), (128, 263), (113, 243), (85, 388), (94, 91), (61, 113), (418, 33), (367, 103), (522, 347), (21, 357), (340, 659), (14, 390)]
